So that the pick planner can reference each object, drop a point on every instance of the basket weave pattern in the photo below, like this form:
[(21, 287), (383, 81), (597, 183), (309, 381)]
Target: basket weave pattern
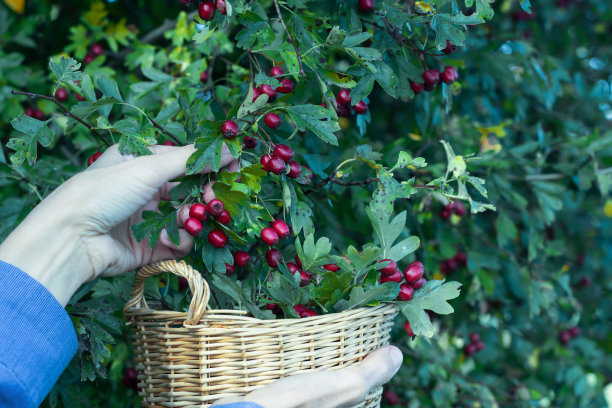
[(193, 359)]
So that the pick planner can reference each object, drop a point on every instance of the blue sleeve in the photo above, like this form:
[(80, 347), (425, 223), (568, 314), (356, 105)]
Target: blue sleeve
[(37, 339), (238, 405)]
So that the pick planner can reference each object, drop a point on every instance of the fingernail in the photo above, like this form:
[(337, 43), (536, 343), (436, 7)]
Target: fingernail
[(164, 235), (396, 356)]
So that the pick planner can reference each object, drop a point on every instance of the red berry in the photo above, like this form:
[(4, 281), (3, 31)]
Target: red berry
[(80, 97), (344, 97), (324, 105), (565, 337), (88, 58), (343, 110), (474, 337), (198, 211), (418, 284), (446, 212), (408, 329), (277, 165), (284, 152), (281, 228), (390, 397), (390, 268), (367, 6), (294, 169), (30, 112), (451, 264), (269, 236), (168, 143), (215, 207), (206, 11), (38, 114), (229, 269), (97, 49), (242, 258), (130, 378), (414, 272), (431, 76), (469, 349), (271, 92), (194, 227), (304, 278), (309, 313), (449, 75), (416, 87), (303, 311), (293, 268), (250, 142), (395, 277), (574, 331), (276, 71), (182, 283), (224, 218), (449, 49), (272, 120), (480, 346), (61, 94), (93, 158), (256, 93), (273, 257), (265, 162), (461, 259), (298, 261), (331, 267), (229, 129), (221, 7), (285, 86), (459, 208), (406, 292), (204, 76), (274, 308), (584, 281), (217, 238), (360, 108)]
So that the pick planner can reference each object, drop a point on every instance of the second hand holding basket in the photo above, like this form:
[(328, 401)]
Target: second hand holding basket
[(195, 358)]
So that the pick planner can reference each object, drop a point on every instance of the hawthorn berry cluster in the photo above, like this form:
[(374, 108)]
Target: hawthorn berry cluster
[(449, 265), (94, 52), (207, 9), (413, 276), (566, 335), (343, 104), (457, 208), (34, 113), (432, 78), (281, 162), (474, 346)]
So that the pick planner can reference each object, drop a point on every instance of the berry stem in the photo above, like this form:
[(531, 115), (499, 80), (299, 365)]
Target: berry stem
[(65, 110), (290, 38)]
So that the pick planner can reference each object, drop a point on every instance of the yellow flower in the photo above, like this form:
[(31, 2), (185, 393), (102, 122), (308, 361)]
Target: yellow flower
[(16, 5)]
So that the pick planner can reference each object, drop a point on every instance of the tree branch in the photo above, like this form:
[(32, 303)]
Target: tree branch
[(65, 110), (290, 38), (166, 132)]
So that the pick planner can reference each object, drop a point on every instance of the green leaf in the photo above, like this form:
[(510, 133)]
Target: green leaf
[(109, 88), (405, 160), (35, 132), (359, 297), (156, 75), (336, 36), (240, 295), (232, 200), (248, 106), (315, 119), (363, 88), (216, 258), (301, 218), (362, 263), (402, 249), (446, 31), (386, 231), (206, 154), (154, 222), (67, 70), (312, 254), (284, 290), (251, 176), (356, 39)]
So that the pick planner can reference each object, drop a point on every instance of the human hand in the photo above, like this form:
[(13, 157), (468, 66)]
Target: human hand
[(327, 389), (83, 229)]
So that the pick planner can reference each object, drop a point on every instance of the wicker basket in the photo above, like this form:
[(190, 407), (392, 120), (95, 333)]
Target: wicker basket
[(193, 359)]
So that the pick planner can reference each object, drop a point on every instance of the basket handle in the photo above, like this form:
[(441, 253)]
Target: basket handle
[(199, 288)]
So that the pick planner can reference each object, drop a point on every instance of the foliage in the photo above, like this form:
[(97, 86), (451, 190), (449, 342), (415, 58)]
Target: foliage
[(528, 116)]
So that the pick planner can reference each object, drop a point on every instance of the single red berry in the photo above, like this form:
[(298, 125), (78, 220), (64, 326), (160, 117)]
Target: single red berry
[(256, 93), (80, 97), (449, 49), (130, 378), (406, 292), (293, 268), (574, 331), (431, 76), (97, 49), (294, 169), (395, 277), (451, 264), (449, 75), (461, 259), (168, 143), (217, 238), (469, 349), (276, 71), (229, 129), (88, 58), (272, 120), (242, 258), (206, 11), (38, 114), (273, 257), (408, 329), (277, 165), (458, 208), (367, 6), (30, 112), (265, 162), (343, 110), (331, 267), (308, 313), (360, 108), (443, 267), (414, 272), (194, 227), (229, 269), (474, 337), (283, 152), (299, 309), (198, 211), (480, 346), (61, 94), (182, 283), (281, 228), (271, 92), (215, 207), (344, 97), (446, 212), (269, 236), (204, 76), (224, 218), (286, 86), (298, 261), (390, 268), (584, 281), (250, 142), (221, 7), (304, 278), (274, 308), (418, 284), (416, 87), (324, 105), (390, 397), (93, 158), (565, 337)]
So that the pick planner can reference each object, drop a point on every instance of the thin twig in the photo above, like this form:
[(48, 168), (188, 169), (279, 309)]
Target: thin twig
[(290, 38), (65, 110), (166, 132)]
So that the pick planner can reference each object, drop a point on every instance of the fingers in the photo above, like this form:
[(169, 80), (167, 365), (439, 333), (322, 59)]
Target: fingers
[(170, 249), (208, 195)]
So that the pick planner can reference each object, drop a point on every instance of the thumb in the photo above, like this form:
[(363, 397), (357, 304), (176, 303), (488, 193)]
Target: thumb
[(380, 365)]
